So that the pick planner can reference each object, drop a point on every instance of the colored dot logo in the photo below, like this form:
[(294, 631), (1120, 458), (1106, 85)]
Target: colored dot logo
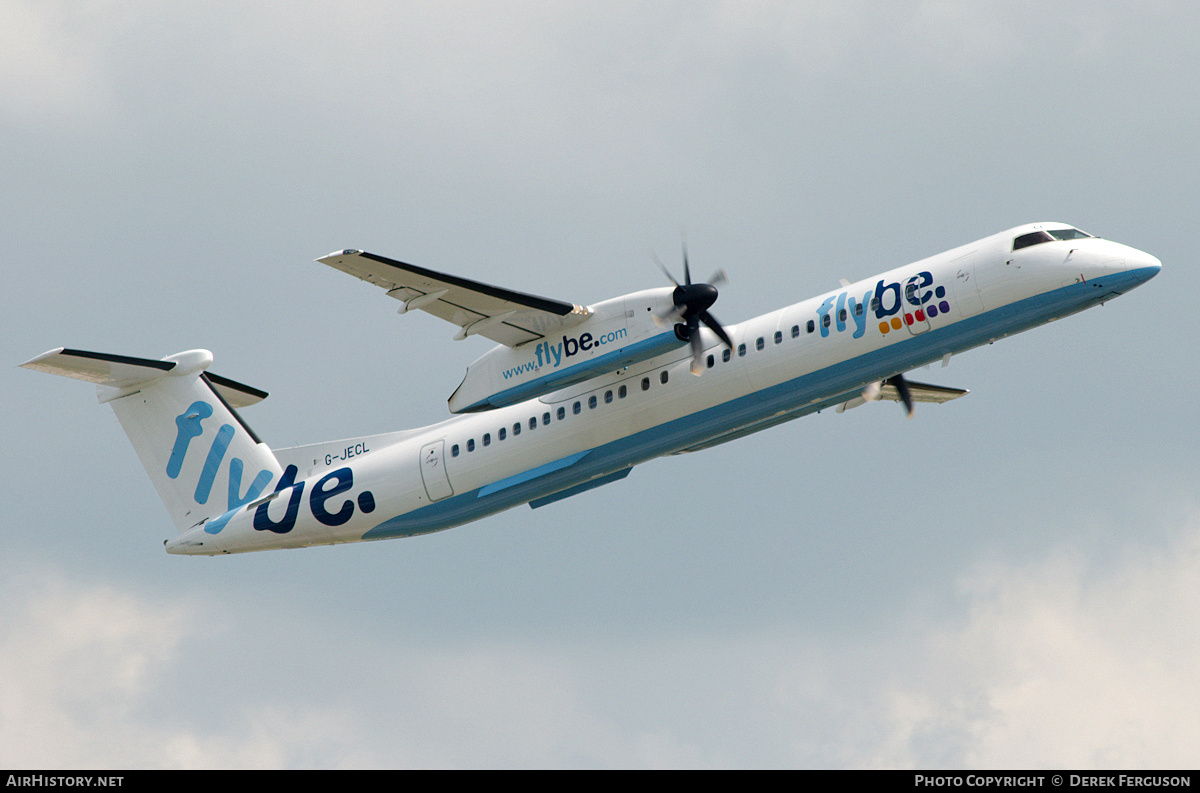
[(920, 315)]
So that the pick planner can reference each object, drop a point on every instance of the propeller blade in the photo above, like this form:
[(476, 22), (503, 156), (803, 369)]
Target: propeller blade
[(691, 302), (697, 351), (663, 267), (901, 386), (711, 323), (670, 317)]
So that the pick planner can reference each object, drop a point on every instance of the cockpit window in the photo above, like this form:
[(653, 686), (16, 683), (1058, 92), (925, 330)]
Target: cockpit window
[(1069, 234), (1037, 237), (1032, 238)]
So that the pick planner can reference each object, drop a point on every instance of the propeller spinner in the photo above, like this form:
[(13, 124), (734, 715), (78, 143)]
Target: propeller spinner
[(692, 302)]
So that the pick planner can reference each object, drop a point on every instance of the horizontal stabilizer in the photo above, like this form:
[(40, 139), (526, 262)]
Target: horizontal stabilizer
[(238, 395), (124, 372), (116, 371)]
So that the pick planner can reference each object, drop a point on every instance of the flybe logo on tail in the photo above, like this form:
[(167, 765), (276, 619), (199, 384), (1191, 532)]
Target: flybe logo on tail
[(190, 425), (894, 306), (552, 355)]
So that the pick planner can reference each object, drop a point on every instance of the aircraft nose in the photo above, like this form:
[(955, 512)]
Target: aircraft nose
[(1142, 265)]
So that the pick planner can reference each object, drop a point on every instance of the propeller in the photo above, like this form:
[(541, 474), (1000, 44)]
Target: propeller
[(691, 304), (901, 386)]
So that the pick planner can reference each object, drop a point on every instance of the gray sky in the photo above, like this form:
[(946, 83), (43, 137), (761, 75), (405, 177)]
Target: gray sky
[(1009, 580)]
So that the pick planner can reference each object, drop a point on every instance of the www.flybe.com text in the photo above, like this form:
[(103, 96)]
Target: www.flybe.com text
[(548, 354)]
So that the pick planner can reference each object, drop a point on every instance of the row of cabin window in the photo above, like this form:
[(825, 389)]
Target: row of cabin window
[(560, 414), (761, 343), (810, 327)]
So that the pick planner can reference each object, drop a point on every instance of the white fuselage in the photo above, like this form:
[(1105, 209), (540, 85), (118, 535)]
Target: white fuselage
[(785, 364)]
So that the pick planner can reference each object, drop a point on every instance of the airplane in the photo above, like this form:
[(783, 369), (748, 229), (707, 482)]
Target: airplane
[(573, 397)]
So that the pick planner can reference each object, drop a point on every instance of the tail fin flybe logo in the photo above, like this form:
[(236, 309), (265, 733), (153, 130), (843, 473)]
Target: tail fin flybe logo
[(189, 425), (552, 355), (894, 306)]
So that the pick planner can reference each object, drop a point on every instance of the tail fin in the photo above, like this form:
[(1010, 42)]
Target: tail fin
[(183, 424)]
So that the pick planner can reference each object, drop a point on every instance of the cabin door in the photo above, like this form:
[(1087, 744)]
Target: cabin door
[(433, 471), (966, 285)]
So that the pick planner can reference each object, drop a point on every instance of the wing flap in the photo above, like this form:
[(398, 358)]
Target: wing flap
[(505, 316)]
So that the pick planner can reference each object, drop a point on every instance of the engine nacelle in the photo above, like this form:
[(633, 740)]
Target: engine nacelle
[(620, 332)]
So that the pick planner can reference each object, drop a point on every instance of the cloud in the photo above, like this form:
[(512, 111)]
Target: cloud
[(76, 664), (1062, 662), (51, 59), (1065, 661)]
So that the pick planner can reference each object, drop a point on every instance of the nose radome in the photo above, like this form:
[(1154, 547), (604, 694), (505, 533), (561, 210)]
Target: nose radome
[(1144, 261), (1141, 266)]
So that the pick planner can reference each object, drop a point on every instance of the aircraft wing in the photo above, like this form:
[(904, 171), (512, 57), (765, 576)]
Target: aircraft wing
[(919, 392), (923, 392), (502, 315)]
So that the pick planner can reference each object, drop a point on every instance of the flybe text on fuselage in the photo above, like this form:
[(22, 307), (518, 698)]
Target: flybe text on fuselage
[(893, 304)]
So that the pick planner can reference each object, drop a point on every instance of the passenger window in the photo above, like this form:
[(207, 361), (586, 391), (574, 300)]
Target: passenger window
[(470, 444), (545, 419), (858, 309), (454, 450), (533, 421), (779, 337), (741, 350), (592, 402), (795, 331), (842, 315), (517, 428), (501, 435), (487, 439), (621, 392), (562, 413), (577, 408), (726, 355), (811, 326), (758, 345), (662, 378), (645, 383), (826, 320), (607, 397), (711, 362)]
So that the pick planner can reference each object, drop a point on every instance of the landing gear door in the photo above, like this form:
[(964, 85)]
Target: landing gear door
[(433, 471)]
